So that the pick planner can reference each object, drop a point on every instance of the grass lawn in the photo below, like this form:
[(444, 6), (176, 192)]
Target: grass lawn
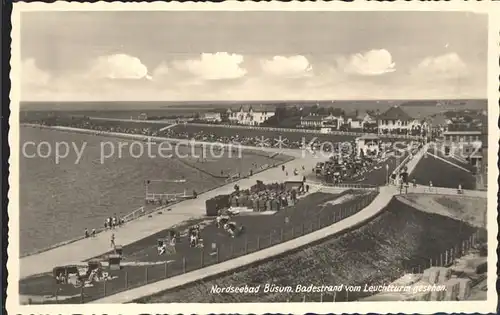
[(261, 231), (441, 174)]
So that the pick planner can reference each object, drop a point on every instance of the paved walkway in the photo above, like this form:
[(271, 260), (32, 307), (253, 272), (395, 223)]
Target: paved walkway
[(363, 216), (133, 231)]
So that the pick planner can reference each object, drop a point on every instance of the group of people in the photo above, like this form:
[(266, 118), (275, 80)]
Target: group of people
[(194, 234), (224, 222), (113, 222)]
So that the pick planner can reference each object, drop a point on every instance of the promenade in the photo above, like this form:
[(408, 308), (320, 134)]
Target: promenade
[(78, 251), (81, 250), (355, 220)]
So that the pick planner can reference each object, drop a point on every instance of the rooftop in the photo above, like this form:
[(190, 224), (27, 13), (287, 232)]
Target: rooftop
[(315, 118), (395, 113)]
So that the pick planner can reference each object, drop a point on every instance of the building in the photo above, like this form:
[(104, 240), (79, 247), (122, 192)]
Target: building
[(249, 115), (396, 121), (354, 121), (464, 145), (367, 145), (211, 117), (322, 121), (315, 121)]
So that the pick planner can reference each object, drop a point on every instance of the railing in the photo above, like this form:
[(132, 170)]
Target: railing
[(134, 214), (237, 247), (353, 186), (345, 133), (446, 259)]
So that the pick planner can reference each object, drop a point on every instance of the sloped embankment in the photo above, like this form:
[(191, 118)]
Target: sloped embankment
[(377, 253)]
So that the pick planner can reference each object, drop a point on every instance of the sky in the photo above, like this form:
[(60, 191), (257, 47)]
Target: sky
[(197, 56)]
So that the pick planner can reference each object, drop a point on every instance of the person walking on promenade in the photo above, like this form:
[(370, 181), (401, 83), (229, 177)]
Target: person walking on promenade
[(113, 240)]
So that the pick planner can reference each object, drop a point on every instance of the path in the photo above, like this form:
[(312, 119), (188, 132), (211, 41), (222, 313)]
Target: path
[(374, 208), (363, 216), (451, 163), (166, 121), (421, 189), (133, 231), (168, 127)]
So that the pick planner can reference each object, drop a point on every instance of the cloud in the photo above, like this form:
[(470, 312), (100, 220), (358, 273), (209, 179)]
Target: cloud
[(370, 63), (293, 66), (32, 75), (446, 66), (161, 71), (217, 66), (118, 66)]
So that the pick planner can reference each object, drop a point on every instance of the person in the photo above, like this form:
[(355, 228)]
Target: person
[(93, 233), (113, 240), (414, 183), (283, 168), (86, 233), (459, 188)]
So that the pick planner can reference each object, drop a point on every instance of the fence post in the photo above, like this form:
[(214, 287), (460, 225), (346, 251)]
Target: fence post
[(441, 260), (82, 295), (293, 232), (321, 297), (304, 298), (217, 254), (184, 264), (246, 244), (146, 274), (281, 231), (270, 238), (452, 255), (202, 252), (446, 258), (258, 242), (334, 295), (303, 228), (104, 287), (319, 222), (347, 296), (166, 269)]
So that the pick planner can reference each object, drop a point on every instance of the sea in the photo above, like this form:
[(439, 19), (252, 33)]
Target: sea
[(59, 200)]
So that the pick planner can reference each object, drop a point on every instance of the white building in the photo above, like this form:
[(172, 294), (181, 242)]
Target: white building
[(249, 115), (367, 145), (395, 120), (322, 121), (211, 117)]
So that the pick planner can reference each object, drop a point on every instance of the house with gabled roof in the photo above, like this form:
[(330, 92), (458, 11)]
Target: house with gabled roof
[(396, 120), (250, 115)]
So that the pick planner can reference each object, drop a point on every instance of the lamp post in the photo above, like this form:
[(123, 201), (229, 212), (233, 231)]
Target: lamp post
[(387, 174)]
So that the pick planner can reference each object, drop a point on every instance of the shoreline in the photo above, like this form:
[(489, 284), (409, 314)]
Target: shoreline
[(131, 136)]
